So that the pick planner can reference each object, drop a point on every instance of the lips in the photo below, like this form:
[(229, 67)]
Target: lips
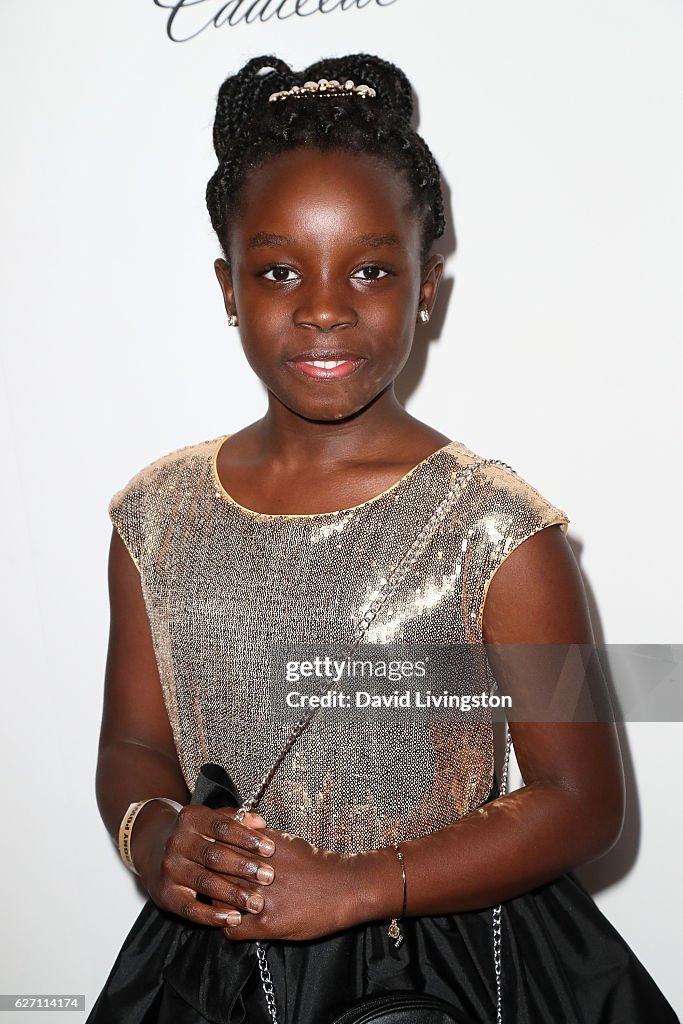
[(325, 365)]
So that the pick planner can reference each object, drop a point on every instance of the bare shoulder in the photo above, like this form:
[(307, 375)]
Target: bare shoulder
[(537, 594)]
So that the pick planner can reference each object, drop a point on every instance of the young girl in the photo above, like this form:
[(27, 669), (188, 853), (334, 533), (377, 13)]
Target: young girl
[(378, 851)]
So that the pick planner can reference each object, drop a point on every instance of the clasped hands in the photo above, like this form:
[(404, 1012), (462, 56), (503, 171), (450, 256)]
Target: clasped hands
[(263, 883)]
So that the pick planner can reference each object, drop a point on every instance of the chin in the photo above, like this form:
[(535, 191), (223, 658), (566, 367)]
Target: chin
[(326, 415), (326, 412)]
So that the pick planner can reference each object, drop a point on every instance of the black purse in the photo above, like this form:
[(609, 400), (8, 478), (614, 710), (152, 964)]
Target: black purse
[(215, 788), (214, 783), (400, 1008)]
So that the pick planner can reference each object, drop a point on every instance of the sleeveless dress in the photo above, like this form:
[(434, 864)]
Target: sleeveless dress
[(227, 591)]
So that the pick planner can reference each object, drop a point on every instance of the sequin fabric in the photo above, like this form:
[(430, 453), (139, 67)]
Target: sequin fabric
[(224, 586)]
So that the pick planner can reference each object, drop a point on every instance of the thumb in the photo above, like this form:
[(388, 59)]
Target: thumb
[(254, 820)]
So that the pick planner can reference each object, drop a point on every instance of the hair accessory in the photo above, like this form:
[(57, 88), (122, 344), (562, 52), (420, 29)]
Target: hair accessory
[(232, 320), (126, 827), (394, 929), (323, 87), (424, 316)]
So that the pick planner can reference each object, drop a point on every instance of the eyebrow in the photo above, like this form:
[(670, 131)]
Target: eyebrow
[(265, 240), (377, 241)]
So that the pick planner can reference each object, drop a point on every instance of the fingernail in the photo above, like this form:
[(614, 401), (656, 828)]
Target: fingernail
[(266, 846), (265, 874), (233, 917), (255, 902)]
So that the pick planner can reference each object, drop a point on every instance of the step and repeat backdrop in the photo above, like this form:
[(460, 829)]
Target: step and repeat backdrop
[(554, 346)]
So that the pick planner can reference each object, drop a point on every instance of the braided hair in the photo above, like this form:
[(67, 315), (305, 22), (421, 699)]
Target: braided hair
[(248, 130)]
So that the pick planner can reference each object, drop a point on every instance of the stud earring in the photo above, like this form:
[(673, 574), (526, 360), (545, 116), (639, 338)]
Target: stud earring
[(424, 316), (232, 320)]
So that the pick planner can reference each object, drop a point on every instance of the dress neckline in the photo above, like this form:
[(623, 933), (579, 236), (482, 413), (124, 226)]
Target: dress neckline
[(221, 492)]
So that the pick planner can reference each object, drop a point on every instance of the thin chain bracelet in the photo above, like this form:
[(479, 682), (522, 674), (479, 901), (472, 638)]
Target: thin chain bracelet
[(394, 929)]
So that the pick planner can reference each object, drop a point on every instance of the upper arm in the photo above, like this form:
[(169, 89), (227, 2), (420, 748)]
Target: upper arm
[(535, 599), (536, 595), (133, 709)]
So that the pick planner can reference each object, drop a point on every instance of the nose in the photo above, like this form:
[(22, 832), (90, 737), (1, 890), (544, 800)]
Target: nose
[(323, 307)]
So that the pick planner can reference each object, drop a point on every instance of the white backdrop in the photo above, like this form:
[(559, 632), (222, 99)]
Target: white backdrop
[(557, 128)]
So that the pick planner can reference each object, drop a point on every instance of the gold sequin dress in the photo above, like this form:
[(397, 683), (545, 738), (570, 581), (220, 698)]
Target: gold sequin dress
[(224, 587)]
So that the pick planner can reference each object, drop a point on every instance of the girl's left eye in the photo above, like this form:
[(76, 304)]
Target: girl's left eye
[(376, 273), (280, 273)]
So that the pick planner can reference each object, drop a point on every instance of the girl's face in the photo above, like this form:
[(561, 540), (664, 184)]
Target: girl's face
[(325, 265)]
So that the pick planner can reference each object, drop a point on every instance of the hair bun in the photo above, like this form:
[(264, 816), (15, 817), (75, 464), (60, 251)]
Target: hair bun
[(240, 94), (246, 92)]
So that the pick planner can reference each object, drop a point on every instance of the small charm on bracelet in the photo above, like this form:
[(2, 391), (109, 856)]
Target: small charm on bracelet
[(395, 932)]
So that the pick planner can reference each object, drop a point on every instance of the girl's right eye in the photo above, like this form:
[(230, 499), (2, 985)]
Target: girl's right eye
[(280, 273)]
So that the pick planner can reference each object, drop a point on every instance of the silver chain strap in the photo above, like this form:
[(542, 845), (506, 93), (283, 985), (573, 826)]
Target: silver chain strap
[(386, 590), (267, 982), (497, 911)]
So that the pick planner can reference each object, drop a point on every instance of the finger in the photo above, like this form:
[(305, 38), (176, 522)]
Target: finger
[(189, 853), (233, 892), (234, 833), (252, 926), (220, 826), (183, 902), (254, 820), (248, 928)]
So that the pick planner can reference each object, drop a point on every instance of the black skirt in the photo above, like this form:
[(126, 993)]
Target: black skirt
[(562, 963)]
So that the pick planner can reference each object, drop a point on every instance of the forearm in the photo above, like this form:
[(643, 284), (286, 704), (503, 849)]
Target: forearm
[(129, 771), (502, 849)]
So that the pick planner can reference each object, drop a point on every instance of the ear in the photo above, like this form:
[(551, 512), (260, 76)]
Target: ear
[(431, 276), (224, 275)]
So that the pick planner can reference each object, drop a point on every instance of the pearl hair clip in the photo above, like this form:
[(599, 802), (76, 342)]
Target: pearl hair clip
[(323, 88)]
